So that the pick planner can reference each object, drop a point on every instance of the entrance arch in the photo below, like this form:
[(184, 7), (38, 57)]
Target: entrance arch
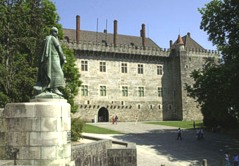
[(103, 115)]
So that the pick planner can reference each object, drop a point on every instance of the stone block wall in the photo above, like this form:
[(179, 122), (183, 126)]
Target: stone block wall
[(122, 157), (91, 154), (102, 153), (35, 133)]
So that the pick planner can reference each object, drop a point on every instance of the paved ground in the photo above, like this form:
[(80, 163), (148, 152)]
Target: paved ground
[(157, 145)]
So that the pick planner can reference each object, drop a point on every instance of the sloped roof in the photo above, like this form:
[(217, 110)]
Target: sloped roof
[(89, 36), (189, 43), (180, 40)]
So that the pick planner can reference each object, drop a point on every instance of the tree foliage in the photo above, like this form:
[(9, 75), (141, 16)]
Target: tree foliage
[(23, 26), (216, 87), (72, 76), (220, 19)]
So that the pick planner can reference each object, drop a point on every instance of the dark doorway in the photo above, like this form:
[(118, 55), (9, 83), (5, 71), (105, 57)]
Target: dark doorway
[(103, 115)]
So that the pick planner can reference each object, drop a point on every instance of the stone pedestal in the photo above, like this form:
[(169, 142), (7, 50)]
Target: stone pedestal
[(36, 133)]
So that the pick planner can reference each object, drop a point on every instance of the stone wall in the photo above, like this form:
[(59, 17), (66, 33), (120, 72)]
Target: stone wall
[(102, 153), (36, 133), (147, 107), (174, 104), (190, 61)]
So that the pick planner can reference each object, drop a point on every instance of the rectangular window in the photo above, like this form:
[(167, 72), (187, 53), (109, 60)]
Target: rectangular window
[(102, 67), (138, 106), (141, 91), (124, 90), (102, 90), (84, 65), (160, 92), (160, 70), (123, 67), (140, 69), (84, 90)]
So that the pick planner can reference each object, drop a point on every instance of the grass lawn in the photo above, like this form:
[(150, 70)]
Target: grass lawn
[(98, 130), (181, 124)]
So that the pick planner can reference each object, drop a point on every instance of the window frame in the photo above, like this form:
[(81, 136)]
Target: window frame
[(84, 90), (102, 66), (141, 91), (140, 69), (84, 65), (160, 70), (103, 90), (124, 68), (125, 91)]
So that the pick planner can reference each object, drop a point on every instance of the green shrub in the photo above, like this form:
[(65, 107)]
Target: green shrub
[(76, 128)]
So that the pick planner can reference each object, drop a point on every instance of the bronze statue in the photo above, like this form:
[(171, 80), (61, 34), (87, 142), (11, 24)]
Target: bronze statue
[(50, 74)]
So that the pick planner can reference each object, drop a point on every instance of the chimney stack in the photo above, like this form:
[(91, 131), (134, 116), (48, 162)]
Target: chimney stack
[(115, 32), (170, 43), (77, 29), (143, 35)]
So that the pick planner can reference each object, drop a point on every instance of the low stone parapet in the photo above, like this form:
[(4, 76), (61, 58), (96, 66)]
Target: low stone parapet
[(102, 152)]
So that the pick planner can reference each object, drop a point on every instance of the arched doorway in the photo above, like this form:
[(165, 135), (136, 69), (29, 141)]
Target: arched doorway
[(103, 115)]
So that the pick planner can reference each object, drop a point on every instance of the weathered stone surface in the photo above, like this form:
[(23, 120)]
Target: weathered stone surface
[(3, 124), (102, 153), (6, 162), (49, 152), (13, 110), (46, 110), (27, 152), (17, 139), (49, 124), (46, 138), (37, 132)]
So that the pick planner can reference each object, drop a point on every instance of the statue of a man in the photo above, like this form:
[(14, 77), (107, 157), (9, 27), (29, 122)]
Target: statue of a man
[(50, 74)]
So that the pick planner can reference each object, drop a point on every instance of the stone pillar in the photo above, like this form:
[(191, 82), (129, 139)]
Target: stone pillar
[(36, 133)]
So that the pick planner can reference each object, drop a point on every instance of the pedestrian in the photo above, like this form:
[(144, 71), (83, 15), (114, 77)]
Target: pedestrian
[(198, 134), (227, 159), (194, 125), (201, 134), (179, 134), (235, 159), (113, 119), (116, 119), (136, 119)]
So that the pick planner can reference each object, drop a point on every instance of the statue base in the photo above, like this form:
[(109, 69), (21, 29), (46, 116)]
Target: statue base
[(36, 133), (48, 95)]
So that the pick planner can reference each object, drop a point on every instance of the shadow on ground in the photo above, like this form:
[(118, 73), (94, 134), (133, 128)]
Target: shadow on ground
[(163, 142)]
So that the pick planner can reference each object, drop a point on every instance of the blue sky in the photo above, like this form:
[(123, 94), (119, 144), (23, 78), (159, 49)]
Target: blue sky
[(164, 19)]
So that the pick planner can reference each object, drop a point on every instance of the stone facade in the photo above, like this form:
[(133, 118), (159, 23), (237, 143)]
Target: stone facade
[(135, 79)]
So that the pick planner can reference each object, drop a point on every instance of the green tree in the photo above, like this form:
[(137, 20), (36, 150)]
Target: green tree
[(72, 77), (23, 26), (216, 86)]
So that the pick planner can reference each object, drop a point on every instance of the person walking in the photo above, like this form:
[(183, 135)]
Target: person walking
[(179, 134), (113, 119), (235, 159), (116, 119), (227, 159), (136, 119)]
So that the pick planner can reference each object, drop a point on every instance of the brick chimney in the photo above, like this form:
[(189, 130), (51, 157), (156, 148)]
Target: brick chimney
[(170, 43), (115, 32), (77, 29), (143, 35)]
